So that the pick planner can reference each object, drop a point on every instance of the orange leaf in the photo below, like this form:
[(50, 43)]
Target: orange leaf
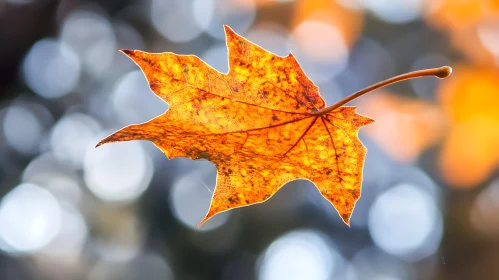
[(262, 124)]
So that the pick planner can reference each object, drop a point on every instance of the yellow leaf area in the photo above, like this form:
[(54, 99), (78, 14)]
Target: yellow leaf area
[(470, 153), (259, 124)]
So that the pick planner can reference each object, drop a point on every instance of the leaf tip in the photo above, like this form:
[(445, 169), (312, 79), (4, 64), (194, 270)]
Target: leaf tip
[(100, 144), (346, 220), (363, 120), (368, 120), (127, 52), (228, 29), (292, 58), (203, 221)]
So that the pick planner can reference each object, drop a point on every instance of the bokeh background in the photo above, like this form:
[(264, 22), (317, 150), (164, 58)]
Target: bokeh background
[(430, 198)]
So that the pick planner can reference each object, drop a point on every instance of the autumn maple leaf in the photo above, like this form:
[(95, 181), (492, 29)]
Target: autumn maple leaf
[(262, 124)]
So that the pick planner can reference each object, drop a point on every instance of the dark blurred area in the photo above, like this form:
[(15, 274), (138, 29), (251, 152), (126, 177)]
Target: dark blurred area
[(430, 197)]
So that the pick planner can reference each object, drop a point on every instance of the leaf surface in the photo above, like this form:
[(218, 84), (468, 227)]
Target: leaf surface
[(261, 124)]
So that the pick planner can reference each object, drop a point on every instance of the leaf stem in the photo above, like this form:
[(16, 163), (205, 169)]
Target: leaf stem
[(441, 72)]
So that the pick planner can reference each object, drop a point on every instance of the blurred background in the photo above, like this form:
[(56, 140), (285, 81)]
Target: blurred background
[(430, 197)]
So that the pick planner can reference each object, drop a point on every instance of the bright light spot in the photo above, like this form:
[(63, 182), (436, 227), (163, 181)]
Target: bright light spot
[(318, 40), (484, 212), (320, 49), (117, 172), (51, 68), (203, 12), (30, 218), (69, 242), (47, 172), (270, 37), (418, 177), (22, 129), (395, 11), (71, 137), (488, 33), (426, 87), (176, 19), (133, 101), (371, 263), (302, 254), (216, 57), (406, 126), (93, 38), (405, 221), (65, 187), (191, 196), (211, 15)]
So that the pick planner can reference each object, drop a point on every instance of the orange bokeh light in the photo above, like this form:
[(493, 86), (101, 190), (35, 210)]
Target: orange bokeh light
[(470, 100), (468, 21), (348, 22), (404, 127)]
